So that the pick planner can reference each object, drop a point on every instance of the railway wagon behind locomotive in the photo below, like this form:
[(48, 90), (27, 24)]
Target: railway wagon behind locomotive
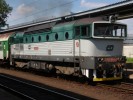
[(90, 46), (4, 47)]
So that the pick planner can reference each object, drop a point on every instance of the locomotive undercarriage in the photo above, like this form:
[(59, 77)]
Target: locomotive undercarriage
[(50, 67), (110, 72), (109, 68), (105, 68)]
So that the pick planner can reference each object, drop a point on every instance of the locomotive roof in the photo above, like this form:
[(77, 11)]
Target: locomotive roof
[(88, 20), (101, 11), (82, 21), (39, 27)]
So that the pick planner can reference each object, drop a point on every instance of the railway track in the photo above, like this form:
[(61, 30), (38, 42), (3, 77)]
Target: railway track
[(127, 86), (123, 87), (30, 91)]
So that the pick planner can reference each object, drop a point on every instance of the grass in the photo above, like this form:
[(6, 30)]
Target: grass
[(129, 60)]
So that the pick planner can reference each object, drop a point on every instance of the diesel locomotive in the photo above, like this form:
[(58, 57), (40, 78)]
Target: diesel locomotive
[(91, 47)]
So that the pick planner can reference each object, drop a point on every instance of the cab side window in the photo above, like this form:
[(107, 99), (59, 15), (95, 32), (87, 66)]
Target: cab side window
[(77, 31), (85, 31)]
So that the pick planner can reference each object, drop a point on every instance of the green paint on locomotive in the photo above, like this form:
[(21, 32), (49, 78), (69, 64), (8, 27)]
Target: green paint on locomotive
[(16, 38), (60, 32)]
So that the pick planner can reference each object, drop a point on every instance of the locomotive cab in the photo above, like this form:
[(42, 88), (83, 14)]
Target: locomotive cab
[(102, 52), (109, 30)]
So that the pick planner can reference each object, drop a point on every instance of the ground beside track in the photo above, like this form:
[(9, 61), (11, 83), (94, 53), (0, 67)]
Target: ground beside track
[(75, 87)]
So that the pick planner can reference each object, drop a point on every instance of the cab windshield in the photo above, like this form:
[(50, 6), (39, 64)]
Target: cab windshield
[(109, 30)]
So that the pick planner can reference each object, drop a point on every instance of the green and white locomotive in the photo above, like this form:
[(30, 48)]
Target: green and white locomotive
[(90, 47)]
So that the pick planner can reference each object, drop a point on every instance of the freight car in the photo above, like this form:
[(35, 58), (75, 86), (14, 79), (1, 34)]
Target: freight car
[(91, 47)]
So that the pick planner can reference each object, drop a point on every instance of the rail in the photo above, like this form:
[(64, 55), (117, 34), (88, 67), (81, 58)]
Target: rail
[(123, 87), (30, 91)]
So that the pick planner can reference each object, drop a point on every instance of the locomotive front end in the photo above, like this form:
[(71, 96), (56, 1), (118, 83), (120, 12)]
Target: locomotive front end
[(109, 68), (103, 57)]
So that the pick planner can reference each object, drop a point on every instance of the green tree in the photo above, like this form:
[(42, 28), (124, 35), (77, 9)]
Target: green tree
[(5, 10)]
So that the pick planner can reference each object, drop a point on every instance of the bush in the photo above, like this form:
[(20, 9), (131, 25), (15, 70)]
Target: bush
[(129, 60)]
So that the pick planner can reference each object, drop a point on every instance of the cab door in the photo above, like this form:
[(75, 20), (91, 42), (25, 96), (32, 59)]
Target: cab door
[(77, 32)]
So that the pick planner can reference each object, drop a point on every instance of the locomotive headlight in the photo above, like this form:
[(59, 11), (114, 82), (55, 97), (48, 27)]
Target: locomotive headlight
[(122, 59), (100, 59)]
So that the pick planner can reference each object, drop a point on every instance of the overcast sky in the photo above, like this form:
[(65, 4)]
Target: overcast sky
[(32, 10)]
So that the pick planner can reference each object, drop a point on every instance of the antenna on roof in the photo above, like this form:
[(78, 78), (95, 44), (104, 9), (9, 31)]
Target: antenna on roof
[(71, 14), (113, 18)]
